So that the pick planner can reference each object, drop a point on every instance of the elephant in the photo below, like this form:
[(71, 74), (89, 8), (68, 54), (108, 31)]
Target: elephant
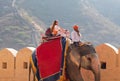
[(83, 56)]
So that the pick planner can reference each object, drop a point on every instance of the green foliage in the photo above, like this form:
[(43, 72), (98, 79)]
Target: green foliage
[(7, 29), (19, 41), (1, 40), (12, 28), (25, 28), (23, 35)]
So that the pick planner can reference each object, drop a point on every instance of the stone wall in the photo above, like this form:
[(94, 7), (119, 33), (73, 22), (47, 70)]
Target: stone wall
[(14, 65), (109, 59)]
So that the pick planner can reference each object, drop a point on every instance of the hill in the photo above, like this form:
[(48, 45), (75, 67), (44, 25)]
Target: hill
[(23, 21), (94, 26), (15, 32)]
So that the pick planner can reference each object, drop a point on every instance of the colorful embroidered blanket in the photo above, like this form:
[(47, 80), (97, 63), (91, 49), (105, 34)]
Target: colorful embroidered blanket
[(49, 57)]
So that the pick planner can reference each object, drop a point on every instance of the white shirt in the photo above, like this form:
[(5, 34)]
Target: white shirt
[(60, 30), (57, 28), (75, 37)]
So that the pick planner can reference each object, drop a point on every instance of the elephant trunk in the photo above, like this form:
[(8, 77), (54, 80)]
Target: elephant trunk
[(97, 74), (96, 68)]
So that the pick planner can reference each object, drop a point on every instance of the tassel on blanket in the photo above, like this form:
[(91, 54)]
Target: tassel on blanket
[(62, 78)]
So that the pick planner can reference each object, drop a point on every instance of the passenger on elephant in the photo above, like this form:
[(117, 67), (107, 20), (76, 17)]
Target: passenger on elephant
[(50, 35), (55, 31), (47, 35), (67, 34), (59, 30), (76, 35)]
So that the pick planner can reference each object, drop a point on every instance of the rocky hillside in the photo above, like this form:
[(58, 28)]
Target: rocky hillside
[(23, 21), (95, 27), (15, 31)]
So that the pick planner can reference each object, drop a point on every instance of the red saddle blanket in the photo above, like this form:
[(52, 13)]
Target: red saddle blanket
[(49, 56)]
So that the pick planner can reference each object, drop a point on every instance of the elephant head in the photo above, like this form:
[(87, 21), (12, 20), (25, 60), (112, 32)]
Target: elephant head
[(83, 56)]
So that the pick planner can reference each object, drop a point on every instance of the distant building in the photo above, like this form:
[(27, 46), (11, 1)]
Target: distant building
[(108, 55), (22, 63), (7, 64), (14, 65)]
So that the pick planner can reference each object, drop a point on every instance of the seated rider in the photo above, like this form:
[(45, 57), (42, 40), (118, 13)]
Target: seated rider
[(56, 29), (50, 34), (75, 35)]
